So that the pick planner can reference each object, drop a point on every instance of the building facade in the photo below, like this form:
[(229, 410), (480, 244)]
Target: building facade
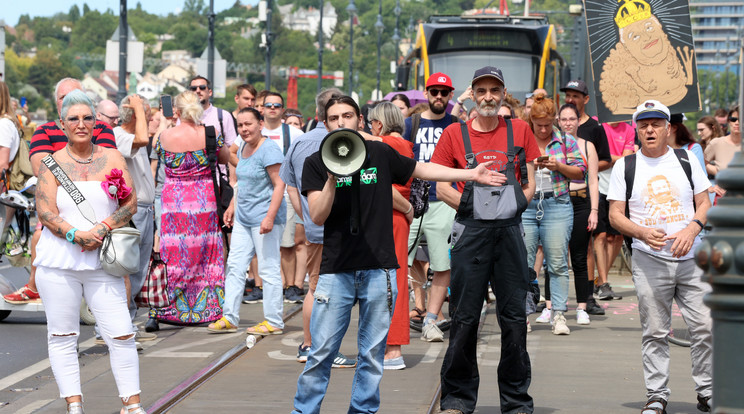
[(716, 30)]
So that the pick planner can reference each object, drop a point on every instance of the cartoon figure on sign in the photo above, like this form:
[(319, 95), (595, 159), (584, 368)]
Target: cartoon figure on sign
[(643, 64)]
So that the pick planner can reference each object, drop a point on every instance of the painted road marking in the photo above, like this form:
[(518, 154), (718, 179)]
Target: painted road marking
[(37, 367), (432, 353), (33, 406), (173, 352)]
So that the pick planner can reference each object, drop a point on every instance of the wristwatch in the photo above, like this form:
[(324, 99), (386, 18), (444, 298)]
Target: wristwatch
[(70, 236)]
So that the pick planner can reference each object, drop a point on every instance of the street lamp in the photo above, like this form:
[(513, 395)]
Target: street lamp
[(410, 34), (351, 9), (320, 48), (396, 34), (379, 26)]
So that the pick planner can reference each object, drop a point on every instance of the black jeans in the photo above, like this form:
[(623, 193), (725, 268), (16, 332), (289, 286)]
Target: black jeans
[(577, 247), (480, 255)]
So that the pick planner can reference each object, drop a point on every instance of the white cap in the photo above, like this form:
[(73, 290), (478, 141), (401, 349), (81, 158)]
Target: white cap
[(651, 109)]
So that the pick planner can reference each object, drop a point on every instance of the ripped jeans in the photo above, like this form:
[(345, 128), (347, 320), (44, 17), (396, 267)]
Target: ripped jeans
[(335, 296), (62, 291)]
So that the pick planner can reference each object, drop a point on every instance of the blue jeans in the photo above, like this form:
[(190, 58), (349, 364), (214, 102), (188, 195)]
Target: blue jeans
[(245, 243), (335, 295), (553, 231)]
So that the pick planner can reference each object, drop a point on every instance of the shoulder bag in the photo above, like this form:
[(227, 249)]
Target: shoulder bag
[(120, 250), (223, 191)]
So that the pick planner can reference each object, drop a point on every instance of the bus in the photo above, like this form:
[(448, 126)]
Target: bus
[(523, 47)]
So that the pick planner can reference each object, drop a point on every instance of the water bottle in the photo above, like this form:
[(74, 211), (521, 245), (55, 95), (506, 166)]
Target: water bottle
[(250, 340)]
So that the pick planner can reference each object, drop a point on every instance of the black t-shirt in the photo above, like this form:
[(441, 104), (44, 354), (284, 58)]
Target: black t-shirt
[(373, 246), (594, 133)]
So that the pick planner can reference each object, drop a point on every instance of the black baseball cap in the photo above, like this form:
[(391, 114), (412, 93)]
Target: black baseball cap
[(576, 85), (486, 72)]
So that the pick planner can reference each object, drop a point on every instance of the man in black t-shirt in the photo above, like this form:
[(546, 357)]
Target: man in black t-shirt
[(358, 267), (577, 93)]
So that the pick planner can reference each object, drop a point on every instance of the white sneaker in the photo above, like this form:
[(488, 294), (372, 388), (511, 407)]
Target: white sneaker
[(559, 324), (544, 316), (431, 333), (582, 318)]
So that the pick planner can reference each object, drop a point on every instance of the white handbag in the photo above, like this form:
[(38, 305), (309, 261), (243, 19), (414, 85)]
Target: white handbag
[(120, 251)]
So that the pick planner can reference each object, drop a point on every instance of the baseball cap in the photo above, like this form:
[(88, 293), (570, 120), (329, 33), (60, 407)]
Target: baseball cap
[(576, 85), (439, 79), (651, 109), (486, 72)]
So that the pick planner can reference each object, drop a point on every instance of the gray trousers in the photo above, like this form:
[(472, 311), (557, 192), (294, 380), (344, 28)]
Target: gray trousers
[(143, 220), (659, 281)]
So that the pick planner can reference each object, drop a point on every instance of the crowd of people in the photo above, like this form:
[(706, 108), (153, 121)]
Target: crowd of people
[(515, 190)]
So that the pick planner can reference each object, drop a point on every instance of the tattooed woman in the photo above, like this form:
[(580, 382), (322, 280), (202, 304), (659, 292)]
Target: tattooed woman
[(67, 261)]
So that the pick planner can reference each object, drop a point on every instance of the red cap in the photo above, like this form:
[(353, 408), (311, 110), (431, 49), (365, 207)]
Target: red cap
[(439, 79)]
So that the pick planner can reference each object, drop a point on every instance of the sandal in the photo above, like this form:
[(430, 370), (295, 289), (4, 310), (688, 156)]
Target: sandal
[(263, 329), (221, 325), (655, 406), (137, 407), (419, 315)]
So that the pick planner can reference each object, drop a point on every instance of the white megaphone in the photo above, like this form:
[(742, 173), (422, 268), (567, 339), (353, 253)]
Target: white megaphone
[(343, 152)]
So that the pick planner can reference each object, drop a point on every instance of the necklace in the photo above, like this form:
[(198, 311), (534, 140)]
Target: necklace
[(67, 148)]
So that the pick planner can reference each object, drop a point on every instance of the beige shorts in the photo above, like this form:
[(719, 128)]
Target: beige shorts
[(314, 257), (288, 237), (437, 226)]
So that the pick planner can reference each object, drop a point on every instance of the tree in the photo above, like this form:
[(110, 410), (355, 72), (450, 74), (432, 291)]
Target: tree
[(86, 9), (74, 13)]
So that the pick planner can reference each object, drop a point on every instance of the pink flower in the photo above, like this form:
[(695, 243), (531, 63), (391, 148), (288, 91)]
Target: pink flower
[(115, 186)]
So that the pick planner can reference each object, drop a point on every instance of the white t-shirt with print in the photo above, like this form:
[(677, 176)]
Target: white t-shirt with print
[(661, 196)]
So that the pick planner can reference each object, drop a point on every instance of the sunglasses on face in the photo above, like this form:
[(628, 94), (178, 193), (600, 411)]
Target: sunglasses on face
[(195, 87), (87, 120), (436, 92), (273, 105), (733, 119)]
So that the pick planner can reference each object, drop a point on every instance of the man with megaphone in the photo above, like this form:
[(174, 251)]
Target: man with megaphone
[(348, 185)]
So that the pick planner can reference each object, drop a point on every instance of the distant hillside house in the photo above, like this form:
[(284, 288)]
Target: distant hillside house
[(99, 87), (307, 20), (175, 73)]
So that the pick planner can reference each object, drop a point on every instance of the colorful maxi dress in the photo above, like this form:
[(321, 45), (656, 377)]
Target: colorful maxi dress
[(190, 240)]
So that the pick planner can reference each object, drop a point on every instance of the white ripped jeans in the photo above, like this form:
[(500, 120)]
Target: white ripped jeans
[(62, 291)]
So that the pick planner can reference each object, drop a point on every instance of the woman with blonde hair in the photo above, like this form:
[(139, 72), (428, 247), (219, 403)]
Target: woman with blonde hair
[(10, 129), (190, 236), (548, 219)]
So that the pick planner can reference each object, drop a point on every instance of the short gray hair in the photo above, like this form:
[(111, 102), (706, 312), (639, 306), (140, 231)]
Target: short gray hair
[(322, 99), (56, 87), (126, 113), (390, 117), (76, 97)]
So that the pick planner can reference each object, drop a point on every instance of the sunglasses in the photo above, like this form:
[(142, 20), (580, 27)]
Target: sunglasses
[(201, 87), (436, 92), (733, 119), (87, 120), (273, 105), (507, 117)]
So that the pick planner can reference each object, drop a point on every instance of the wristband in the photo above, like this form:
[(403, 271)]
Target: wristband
[(595, 209), (409, 209), (459, 102), (107, 226), (70, 236), (699, 223)]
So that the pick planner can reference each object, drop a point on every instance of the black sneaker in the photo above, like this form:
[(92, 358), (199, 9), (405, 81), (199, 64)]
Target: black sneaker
[(255, 296), (294, 295), (703, 403), (605, 292), (593, 308)]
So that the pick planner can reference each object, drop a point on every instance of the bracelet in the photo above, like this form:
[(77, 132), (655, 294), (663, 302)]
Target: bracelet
[(459, 102), (409, 209), (595, 209), (699, 223), (106, 224)]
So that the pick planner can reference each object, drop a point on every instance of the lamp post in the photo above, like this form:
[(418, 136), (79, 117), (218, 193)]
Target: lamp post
[(379, 27), (396, 34), (210, 43), (410, 34), (721, 256), (320, 48), (123, 38), (268, 45), (351, 9)]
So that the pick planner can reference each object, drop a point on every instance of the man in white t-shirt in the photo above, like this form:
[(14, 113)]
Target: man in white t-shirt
[(667, 210)]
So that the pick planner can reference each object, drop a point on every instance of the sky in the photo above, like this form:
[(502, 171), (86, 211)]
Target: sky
[(11, 10)]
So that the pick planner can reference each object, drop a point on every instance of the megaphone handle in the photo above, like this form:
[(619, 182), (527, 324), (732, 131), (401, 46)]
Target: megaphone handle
[(355, 213)]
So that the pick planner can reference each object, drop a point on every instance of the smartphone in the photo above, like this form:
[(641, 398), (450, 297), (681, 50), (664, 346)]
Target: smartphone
[(166, 105), (23, 101), (543, 158)]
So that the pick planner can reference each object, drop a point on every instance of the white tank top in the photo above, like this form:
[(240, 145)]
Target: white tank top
[(57, 252)]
